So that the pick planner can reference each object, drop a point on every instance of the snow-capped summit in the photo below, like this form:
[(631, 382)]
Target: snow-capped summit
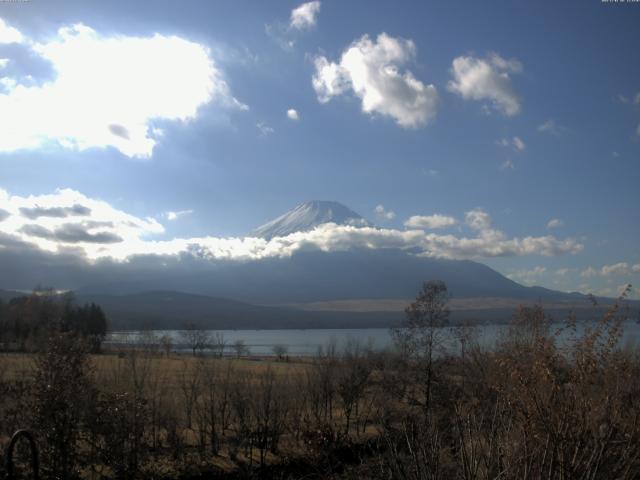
[(307, 216)]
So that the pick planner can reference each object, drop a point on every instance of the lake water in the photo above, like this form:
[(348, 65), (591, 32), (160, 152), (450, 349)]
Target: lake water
[(307, 342)]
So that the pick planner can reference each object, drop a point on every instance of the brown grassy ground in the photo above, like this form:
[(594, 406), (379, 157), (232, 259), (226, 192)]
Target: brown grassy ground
[(18, 365)]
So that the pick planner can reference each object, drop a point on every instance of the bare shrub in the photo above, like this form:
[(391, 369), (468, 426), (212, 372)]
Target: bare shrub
[(195, 337), (61, 388)]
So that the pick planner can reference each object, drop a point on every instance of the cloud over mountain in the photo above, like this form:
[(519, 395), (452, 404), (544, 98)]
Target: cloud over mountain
[(105, 232), (430, 221)]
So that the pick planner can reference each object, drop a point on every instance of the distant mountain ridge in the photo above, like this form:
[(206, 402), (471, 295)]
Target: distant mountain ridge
[(307, 216)]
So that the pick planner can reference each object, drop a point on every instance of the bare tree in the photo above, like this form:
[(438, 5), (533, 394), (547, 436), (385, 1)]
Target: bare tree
[(195, 337), (213, 407), (269, 405), (190, 383), (465, 334), (420, 333), (167, 344), (352, 379), (147, 341), (280, 351), (240, 348), (218, 344)]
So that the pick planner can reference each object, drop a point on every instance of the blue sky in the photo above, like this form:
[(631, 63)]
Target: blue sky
[(528, 112)]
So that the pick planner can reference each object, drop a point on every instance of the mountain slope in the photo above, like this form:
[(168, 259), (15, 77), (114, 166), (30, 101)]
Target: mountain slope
[(315, 276), (307, 216)]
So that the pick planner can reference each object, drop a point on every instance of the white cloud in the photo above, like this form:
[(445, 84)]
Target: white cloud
[(621, 268), (383, 213), (264, 129), (622, 98), (293, 114), (555, 223), (507, 165), (616, 269), (174, 215), (633, 98), (550, 126), (584, 288), (372, 71), (449, 246), (515, 142), (610, 291), (279, 33), (330, 79), (478, 220), (9, 34), (638, 131), (430, 222), (562, 271), (487, 79), (518, 144), (528, 277), (67, 219), (108, 90), (304, 16)]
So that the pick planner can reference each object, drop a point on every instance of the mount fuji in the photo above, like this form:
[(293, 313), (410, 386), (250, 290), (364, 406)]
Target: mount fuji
[(307, 216)]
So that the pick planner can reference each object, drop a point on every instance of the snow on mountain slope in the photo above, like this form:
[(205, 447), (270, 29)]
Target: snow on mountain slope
[(307, 216)]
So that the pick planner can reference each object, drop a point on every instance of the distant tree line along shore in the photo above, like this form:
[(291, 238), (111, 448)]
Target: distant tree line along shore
[(27, 322)]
